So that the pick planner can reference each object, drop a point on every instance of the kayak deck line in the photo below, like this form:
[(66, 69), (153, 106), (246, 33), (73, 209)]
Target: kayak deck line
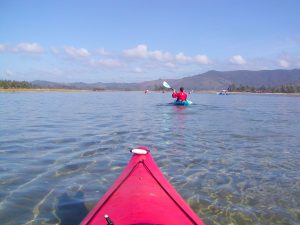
[(142, 195)]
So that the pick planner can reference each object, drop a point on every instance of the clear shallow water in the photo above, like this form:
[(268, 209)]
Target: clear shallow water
[(235, 159)]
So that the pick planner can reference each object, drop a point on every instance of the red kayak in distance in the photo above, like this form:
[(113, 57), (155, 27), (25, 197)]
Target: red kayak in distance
[(141, 196)]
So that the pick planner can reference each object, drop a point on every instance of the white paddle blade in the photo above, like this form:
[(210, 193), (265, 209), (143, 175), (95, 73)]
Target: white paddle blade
[(165, 84)]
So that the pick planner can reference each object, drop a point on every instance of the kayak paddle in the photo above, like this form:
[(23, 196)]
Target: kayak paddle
[(166, 85)]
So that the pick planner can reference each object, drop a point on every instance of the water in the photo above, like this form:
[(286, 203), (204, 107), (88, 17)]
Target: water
[(235, 159)]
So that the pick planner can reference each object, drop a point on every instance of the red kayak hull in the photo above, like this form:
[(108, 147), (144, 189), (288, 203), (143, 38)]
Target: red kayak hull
[(142, 195)]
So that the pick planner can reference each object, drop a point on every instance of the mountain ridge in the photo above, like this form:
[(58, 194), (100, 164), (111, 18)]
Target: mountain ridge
[(210, 80)]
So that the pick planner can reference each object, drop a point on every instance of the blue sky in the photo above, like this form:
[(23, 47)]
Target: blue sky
[(138, 40)]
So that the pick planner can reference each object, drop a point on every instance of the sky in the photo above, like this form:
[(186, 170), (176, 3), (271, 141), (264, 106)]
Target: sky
[(140, 40)]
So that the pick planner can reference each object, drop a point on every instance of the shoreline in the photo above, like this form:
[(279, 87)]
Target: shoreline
[(244, 93), (264, 93), (41, 90), (78, 90)]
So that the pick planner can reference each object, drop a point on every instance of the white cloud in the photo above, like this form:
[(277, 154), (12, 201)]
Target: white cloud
[(284, 63), (170, 65), (112, 63), (180, 57), (288, 61), (2, 48), (102, 51), (55, 50), (28, 48), (238, 59), (138, 70), (160, 56), (202, 59), (77, 52), (141, 51)]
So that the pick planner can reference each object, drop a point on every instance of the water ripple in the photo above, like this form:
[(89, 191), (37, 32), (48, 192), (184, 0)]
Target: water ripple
[(235, 159)]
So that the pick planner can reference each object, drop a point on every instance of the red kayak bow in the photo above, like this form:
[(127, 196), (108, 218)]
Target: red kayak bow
[(142, 196)]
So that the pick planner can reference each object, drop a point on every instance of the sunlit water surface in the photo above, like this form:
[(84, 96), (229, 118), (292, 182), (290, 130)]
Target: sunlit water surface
[(235, 159)]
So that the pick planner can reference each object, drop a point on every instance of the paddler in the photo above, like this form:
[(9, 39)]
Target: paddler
[(181, 96)]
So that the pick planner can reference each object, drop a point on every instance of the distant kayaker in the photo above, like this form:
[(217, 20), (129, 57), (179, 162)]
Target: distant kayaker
[(181, 96)]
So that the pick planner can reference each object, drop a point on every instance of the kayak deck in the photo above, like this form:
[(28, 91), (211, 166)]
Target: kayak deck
[(187, 102), (142, 195)]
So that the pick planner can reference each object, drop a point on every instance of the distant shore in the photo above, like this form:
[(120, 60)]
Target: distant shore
[(41, 90), (78, 90), (246, 93), (264, 93)]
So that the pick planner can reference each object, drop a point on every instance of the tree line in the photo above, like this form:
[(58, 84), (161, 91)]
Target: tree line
[(7, 84), (277, 89)]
